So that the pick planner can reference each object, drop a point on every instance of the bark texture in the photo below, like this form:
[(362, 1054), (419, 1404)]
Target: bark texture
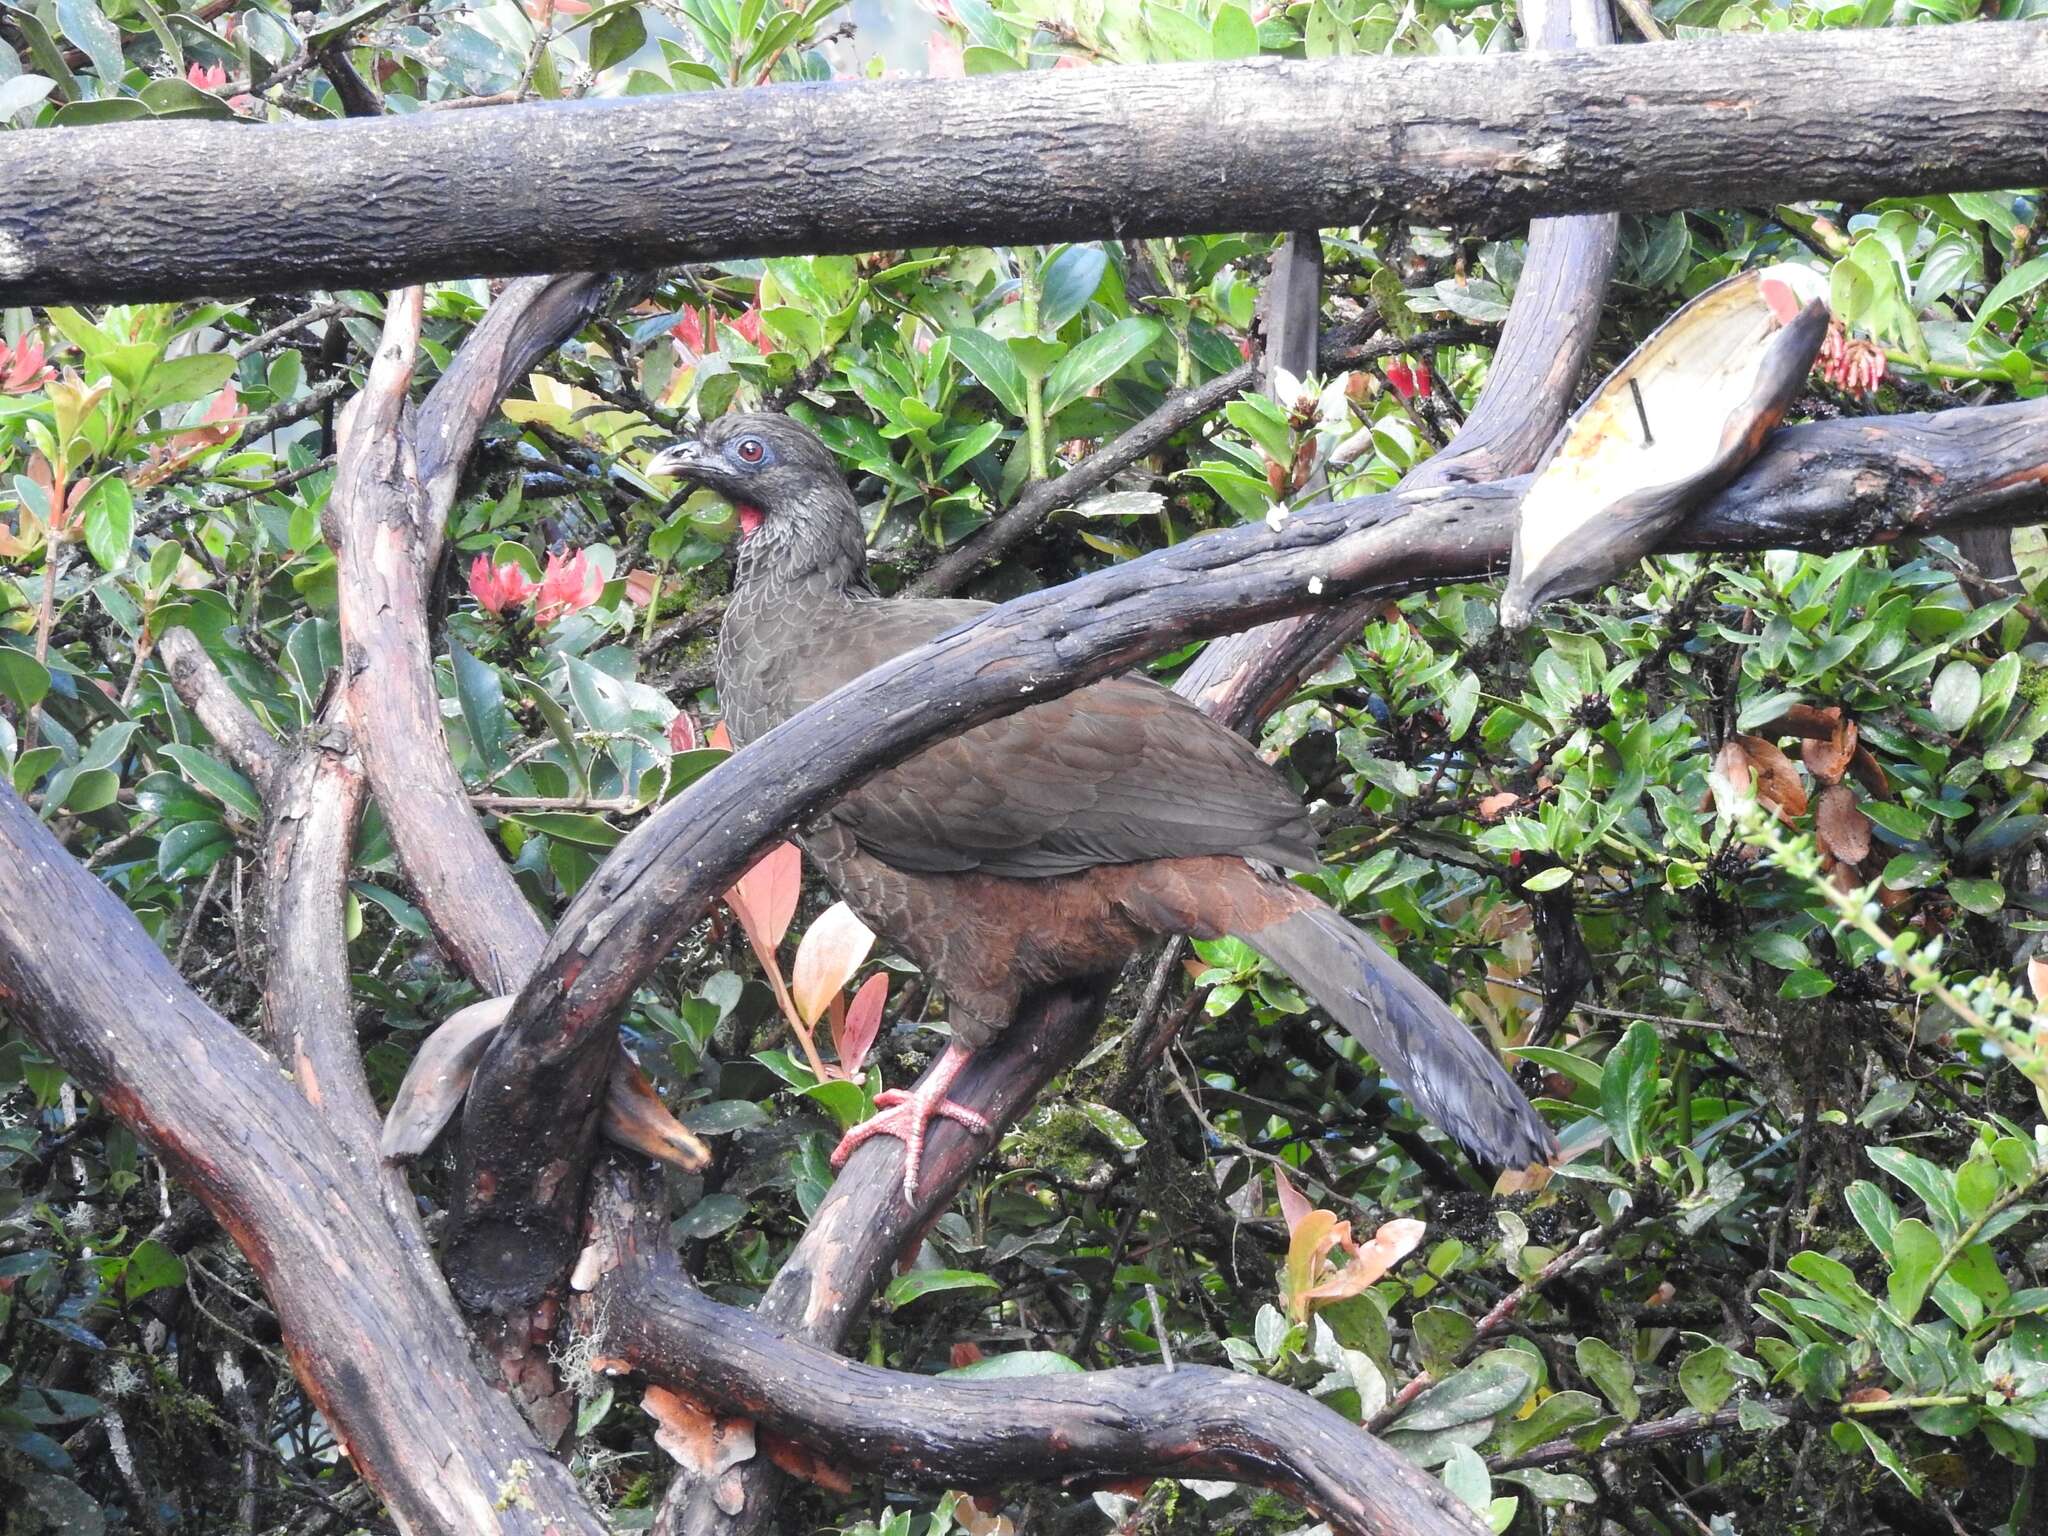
[(1190, 1421), (104, 213), (385, 1363)]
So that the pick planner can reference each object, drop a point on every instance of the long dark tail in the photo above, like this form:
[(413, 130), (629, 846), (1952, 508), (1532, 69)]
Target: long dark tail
[(1446, 1070)]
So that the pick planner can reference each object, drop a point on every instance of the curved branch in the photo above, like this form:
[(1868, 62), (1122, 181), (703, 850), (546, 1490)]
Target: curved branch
[(642, 1313), (101, 213), (381, 1359), (377, 520)]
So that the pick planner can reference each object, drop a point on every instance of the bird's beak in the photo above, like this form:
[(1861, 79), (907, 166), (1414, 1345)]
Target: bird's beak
[(684, 459)]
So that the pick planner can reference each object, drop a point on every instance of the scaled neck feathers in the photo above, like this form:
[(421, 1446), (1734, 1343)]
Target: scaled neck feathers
[(814, 542)]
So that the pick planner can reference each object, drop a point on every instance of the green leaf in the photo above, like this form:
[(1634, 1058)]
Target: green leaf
[(1608, 1370), (191, 848), (179, 380), (617, 38), (1122, 1134), (990, 362), (905, 1289), (109, 522), (216, 778), (1017, 1363), (1848, 1434), (151, 1267), (1481, 1390), (571, 827), (1067, 284), (1957, 691), (1100, 357), (1915, 1250), (95, 36), (1705, 1377), (713, 1214), (1628, 1089), (2021, 280), (482, 696), (22, 678), (1984, 897), (1548, 879)]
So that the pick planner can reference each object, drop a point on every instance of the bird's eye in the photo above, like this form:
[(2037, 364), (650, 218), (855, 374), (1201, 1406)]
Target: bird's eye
[(750, 450)]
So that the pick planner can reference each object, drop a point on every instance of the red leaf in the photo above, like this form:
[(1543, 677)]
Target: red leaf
[(863, 1023), (764, 898), (1293, 1203)]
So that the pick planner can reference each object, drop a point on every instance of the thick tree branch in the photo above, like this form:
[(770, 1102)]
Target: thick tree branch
[(376, 520), (376, 1353), (106, 212), (1193, 1421)]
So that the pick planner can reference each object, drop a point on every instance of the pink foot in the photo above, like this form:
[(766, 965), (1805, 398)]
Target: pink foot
[(907, 1114)]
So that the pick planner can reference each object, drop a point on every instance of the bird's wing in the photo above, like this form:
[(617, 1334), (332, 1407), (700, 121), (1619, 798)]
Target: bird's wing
[(1121, 771)]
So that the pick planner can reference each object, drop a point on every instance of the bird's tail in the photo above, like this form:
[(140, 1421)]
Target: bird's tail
[(1447, 1072)]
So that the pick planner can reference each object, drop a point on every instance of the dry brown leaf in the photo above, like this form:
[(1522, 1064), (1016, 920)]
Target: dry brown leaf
[(635, 1117), (1843, 828), (1778, 783), (1828, 759), (696, 1437), (1868, 773), (2037, 978), (1808, 720), (804, 1464), (1495, 806)]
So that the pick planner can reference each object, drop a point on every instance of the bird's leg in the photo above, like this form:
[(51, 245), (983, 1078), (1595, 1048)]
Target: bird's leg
[(907, 1113)]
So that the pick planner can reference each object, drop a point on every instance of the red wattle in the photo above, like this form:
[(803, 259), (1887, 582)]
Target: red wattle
[(750, 519)]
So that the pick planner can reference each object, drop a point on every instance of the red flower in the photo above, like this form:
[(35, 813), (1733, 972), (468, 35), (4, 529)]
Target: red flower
[(497, 588), (21, 366), (1408, 379), (566, 586), (748, 322), (694, 330), (945, 55), (1855, 367), (214, 77)]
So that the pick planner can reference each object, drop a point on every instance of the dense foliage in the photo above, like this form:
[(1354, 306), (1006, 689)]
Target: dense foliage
[(1799, 1214)]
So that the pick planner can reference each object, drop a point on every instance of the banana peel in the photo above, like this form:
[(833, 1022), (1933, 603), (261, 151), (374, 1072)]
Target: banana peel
[(1672, 425)]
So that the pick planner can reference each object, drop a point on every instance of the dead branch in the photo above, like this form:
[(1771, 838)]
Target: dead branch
[(374, 1351), (1187, 1421), (103, 213)]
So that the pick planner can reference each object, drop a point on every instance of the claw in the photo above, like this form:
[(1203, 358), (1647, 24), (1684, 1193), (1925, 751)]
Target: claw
[(906, 1114)]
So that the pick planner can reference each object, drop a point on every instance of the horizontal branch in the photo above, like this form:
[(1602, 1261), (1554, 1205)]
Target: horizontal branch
[(107, 212), (1829, 485), (1098, 1426)]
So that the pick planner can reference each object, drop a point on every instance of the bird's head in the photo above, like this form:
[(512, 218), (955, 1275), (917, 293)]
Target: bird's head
[(795, 511)]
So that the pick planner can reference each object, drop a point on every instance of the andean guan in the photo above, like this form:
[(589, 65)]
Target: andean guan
[(1050, 844)]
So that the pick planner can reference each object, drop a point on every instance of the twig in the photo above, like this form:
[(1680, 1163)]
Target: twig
[(1023, 518), (1591, 1241)]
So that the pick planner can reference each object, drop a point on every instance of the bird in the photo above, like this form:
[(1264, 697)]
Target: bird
[(1051, 844)]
